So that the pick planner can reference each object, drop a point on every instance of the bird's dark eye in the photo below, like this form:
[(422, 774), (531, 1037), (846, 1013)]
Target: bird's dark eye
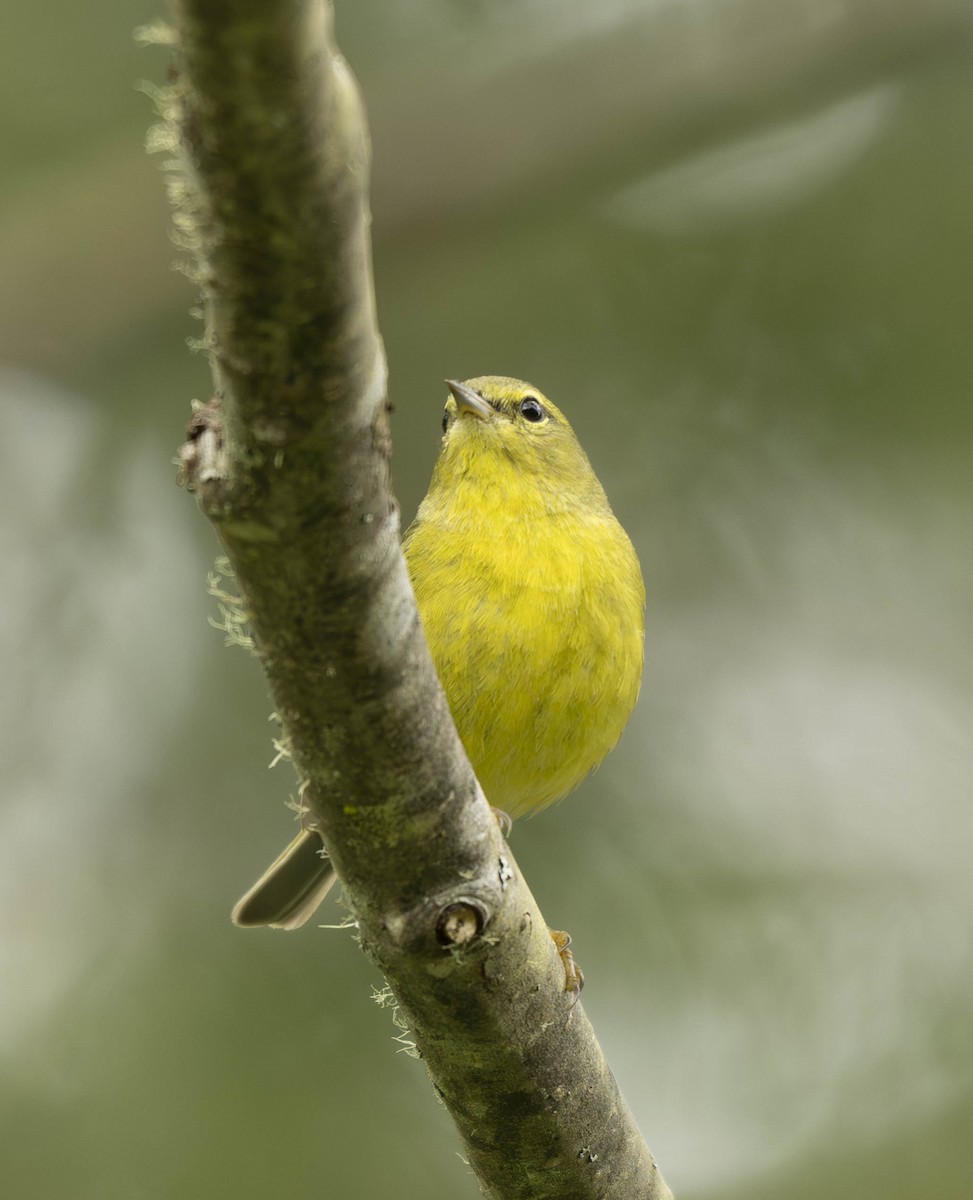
[(531, 409), (445, 420)]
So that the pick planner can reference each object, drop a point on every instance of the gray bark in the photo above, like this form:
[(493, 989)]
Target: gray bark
[(290, 462)]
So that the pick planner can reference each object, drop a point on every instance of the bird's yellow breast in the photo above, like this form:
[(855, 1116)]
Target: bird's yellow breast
[(534, 620), (531, 599)]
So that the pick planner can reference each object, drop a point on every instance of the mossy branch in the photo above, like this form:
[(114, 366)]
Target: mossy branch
[(290, 462)]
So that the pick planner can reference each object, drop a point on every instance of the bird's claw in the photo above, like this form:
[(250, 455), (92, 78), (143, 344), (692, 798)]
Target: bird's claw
[(504, 820), (573, 975)]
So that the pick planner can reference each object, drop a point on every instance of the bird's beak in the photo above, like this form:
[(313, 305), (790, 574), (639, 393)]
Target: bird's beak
[(468, 401)]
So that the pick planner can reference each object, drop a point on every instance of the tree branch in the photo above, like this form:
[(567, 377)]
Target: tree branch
[(290, 462)]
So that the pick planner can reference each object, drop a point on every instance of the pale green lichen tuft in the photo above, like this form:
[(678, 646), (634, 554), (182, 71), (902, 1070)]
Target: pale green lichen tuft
[(189, 210), (283, 751), (156, 33), (383, 996), (234, 620), (406, 1044)]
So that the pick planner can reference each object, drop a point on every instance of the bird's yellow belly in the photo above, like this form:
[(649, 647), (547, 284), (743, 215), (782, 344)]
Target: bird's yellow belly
[(539, 653)]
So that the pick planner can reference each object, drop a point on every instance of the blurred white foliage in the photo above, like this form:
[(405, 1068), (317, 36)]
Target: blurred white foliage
[(754, 176), (97, 645), (816, 746)]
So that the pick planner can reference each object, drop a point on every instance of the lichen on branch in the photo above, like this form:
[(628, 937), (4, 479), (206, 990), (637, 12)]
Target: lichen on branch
[(290, 462)]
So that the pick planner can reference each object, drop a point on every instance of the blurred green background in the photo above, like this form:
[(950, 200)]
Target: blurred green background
[(733, 240)]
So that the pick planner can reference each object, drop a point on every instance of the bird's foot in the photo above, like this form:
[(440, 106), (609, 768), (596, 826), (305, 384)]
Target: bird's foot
[(573, 975), (504, 820)]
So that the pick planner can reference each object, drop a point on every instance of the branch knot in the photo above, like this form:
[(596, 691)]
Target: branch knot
[(202, 457), (460, 922)]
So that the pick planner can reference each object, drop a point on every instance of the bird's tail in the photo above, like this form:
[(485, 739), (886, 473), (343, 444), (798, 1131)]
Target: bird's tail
[(292, 887)]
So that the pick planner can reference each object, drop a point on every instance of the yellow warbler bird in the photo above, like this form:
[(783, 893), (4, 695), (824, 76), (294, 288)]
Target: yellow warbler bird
[(531, 600)]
